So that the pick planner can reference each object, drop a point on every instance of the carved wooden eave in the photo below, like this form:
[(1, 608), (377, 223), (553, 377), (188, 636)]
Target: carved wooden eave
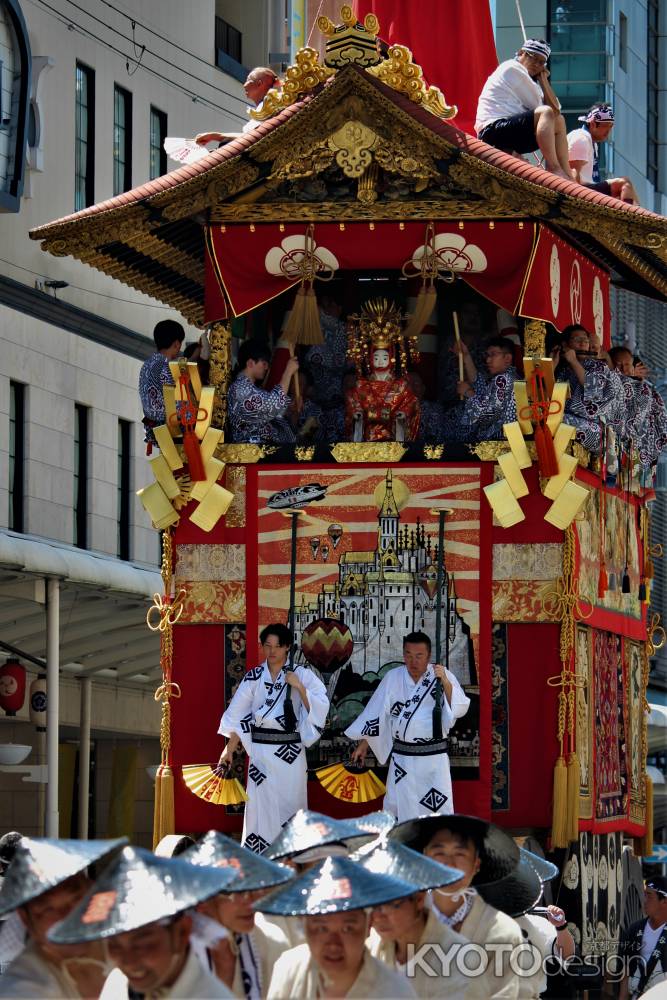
[(152, 238)]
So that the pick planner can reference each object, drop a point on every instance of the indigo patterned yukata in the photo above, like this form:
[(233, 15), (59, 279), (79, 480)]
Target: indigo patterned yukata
[(277, 759), (643, 424), (481, 417), (153, 375), (327, 361), (599, 399), (398, 720), (256, 414)]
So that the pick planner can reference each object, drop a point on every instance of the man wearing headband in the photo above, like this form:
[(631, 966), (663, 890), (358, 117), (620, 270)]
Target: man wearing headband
[(408, 716), (519, 112), (645, 943), (583, 154), (258, 83), (45, 881)]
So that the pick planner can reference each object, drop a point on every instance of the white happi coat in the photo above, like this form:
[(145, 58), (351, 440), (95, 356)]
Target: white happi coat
[(402, 709), (277, 772)]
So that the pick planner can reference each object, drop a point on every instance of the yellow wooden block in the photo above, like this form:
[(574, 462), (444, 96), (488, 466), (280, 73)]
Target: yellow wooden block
[(513, 433), (504, 503), (214, 469), (566, 468), (521, 398), (545, 367), (168, 394), (165, 477), (192, 370), (157, 505), (560, 394), (562, 438), (209, 443), (206, 400), (165, 443), (216, 503), (567, 505), (512, 473)]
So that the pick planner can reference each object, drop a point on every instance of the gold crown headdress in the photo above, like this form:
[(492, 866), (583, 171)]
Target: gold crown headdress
[(380, 327)]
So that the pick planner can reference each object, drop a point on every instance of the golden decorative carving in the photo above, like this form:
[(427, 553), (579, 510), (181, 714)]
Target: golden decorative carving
[(367, 187), (235, 481), (243, 453), (582, 456), (353, 211), (365, 451), (304, 452), (400, 73), (433, 452), (350, 42), (300, 79), (352, 144), (220, 339), (534, 338), (203, 191), (490, 451)]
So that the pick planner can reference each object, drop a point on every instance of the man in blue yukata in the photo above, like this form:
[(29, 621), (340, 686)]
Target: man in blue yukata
[(487, 400)]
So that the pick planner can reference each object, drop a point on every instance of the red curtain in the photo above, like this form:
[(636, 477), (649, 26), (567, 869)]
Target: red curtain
[(452, 41), (522, 266), (247, 259), (565, 287)]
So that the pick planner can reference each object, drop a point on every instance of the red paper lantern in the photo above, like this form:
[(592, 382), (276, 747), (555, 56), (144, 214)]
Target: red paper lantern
[(327, 644), (12, 686)]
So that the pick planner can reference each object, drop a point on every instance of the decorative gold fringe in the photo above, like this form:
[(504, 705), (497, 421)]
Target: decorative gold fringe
[(643, 846), (303, 325), (559, 826), (573, 787), (164, 814), (169, 611), (424, 306)]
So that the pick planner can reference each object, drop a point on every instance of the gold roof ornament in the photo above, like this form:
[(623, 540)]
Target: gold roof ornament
[(350, 43), (400, 73), (354, 44)]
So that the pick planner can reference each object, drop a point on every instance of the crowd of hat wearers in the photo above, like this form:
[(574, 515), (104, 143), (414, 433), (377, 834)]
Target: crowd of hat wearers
[(374, 897)]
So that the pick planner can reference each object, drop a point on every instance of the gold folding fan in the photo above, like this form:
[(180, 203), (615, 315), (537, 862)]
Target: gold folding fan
[(350, 784), (214, 785)]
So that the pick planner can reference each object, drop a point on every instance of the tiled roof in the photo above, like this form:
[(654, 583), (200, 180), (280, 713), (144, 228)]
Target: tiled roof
[(151, 237)]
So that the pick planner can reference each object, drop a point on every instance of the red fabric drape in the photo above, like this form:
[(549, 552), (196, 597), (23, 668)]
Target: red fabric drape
[(255, 263), (565, 287), (452, 40)]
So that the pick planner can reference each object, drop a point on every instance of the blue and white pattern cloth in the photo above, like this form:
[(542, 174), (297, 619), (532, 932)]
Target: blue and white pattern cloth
[(257, 414), (153, 376)]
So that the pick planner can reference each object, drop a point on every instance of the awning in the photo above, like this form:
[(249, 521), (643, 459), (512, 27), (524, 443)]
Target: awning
[(522, 266), (103, 604)]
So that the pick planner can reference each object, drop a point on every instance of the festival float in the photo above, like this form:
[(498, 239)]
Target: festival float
[(526, 563)]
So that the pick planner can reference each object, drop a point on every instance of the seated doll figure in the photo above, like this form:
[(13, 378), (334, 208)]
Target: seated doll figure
[(381, 407)]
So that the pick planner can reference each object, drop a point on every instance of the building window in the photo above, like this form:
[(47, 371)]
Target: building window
[(124, 486), (653, 93), (622, 41), (80, 532), (228, 40), (579, 43), (228, 50), (84, 153), (122, 140), (16, 455), (158, 157)]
